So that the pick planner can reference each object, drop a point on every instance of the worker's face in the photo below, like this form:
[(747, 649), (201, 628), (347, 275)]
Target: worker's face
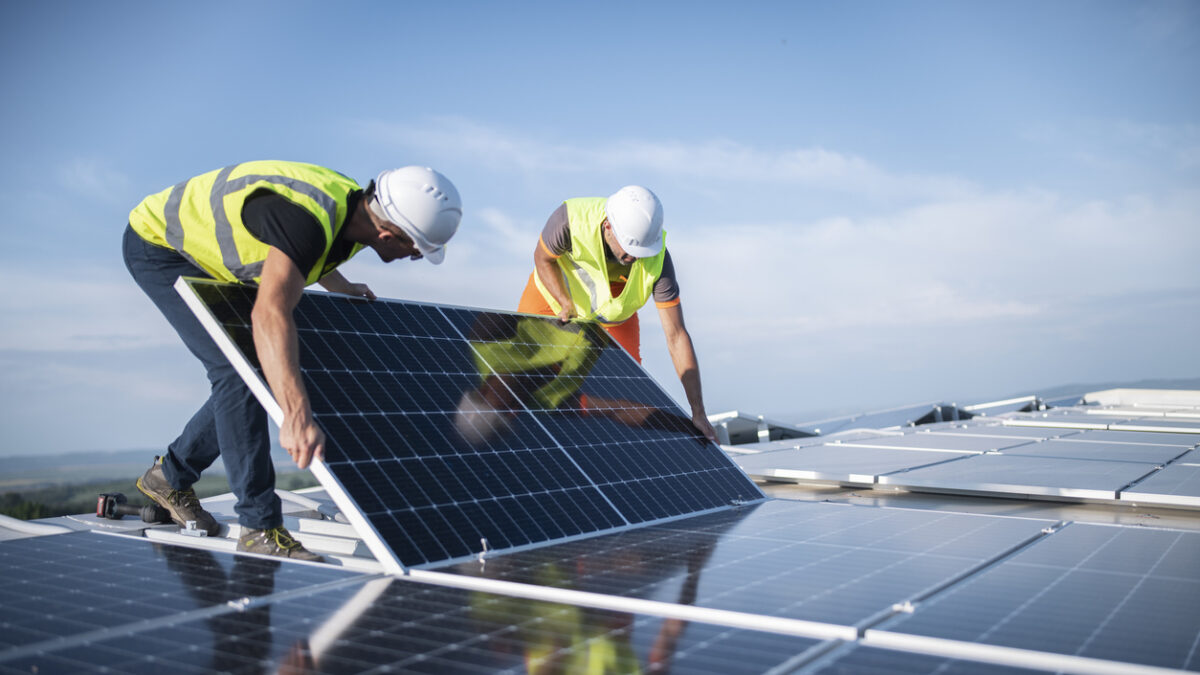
[(618, 253), (391, 242)]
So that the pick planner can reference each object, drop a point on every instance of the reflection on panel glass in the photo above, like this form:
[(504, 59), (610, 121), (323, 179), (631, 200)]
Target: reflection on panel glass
[(67, 585), (241, 620), (456, 431), (819, 562), (613, 421)]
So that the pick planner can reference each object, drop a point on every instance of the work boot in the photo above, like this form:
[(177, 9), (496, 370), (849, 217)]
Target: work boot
[(275, 541), (183, 505)]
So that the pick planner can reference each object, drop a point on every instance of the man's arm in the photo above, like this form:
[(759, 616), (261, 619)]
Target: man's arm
[(687, 367), (279, 353), (334, 282), (548, 271)]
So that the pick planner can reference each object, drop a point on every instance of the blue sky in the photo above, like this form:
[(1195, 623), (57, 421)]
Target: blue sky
[(869, 203)]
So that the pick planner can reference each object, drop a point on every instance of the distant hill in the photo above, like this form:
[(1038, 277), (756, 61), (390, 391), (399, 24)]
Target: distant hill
[(35, 472)]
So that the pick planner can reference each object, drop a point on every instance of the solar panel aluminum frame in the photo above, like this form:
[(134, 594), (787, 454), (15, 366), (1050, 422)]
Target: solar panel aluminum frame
[(336, 490)]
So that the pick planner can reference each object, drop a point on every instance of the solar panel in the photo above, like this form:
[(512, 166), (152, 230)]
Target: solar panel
[(1102, 450), (1172, 426), (1072, 420), (1023, 475), (1003, 431), (806, 561), (60, 587), (841, 463), (1126, 594), (1174, 485), (452, 431), (118, 604), (863, 660), (931, 441), (1146, 437)]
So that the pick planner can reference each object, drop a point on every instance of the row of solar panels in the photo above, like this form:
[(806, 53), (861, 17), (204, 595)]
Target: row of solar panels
[(1147, 456), (779, 586)]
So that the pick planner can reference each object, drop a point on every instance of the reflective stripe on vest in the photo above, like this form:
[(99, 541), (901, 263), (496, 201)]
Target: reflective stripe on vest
[(585, 269), (215, 239)]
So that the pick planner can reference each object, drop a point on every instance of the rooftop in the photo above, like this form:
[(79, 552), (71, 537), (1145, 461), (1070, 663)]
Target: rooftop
[(572, 519)]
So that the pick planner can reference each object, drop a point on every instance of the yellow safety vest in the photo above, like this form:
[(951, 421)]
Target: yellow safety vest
[(585, 269), (540, 344), (201, 217)]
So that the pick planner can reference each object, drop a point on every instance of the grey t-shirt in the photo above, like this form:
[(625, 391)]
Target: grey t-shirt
[(556, 237)]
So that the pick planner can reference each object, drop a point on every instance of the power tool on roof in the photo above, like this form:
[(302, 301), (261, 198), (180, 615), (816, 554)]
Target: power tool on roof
[(113, 506)]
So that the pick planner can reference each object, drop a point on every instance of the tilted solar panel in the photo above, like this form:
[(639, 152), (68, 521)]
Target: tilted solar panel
[(452, 431)]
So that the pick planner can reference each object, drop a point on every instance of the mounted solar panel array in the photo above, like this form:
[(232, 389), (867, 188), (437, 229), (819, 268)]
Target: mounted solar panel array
[(1074, 454), (802, 561), (118, 604), (925, 591), (779, 586), (450, 432), (1088, 590)]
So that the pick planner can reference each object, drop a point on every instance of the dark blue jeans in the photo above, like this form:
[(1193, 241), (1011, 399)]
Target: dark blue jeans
[(231, 423)]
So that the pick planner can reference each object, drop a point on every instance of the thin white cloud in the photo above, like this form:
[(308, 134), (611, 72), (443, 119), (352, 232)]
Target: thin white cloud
[(94, 178), (1006, 257), (89, 310), (716, 161)]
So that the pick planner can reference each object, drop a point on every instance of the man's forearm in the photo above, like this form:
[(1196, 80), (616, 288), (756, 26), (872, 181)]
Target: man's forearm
[(334, 282), (687, 367), (548, 272), (278, 349)]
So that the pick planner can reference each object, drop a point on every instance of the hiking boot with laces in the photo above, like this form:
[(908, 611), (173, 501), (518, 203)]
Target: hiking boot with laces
[(275, 541), (183, 505)]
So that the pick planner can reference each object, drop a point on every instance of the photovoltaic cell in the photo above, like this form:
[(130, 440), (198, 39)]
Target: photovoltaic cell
[(1125, 594), (450, 431)]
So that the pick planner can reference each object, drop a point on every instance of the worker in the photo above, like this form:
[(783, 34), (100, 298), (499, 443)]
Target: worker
[(282, 226), (602, 259)]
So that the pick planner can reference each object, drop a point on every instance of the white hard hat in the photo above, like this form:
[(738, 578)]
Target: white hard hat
[(424, 204), (636, 217)]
